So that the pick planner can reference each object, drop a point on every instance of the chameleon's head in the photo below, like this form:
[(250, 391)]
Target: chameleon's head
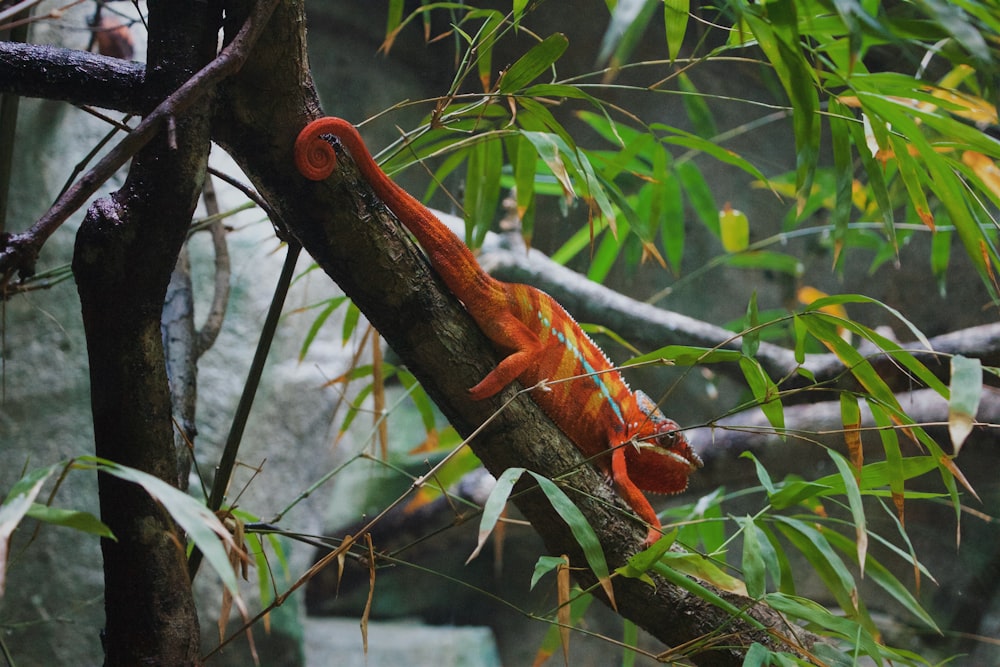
[(662, 459)]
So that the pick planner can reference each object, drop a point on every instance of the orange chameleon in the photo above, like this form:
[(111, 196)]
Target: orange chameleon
[(584, 395)]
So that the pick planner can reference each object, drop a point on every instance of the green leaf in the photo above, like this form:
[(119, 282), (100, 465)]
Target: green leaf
[(698, 194), (940, 257), (395, 16), (482, 190), (822, 327), (688, 355), (765, 392), (675, 20), (702, 568), (698, 111), (318, 322), (518, 10), (840, 133), (873, 170), (751, 334), (766, 260), (762, 475), (857, 509), (419, 397), (797, 491), (75, 519), (754, 570), (351, 319), (910, 172), (543, 566), (200, 524), (629, 20), (525, 167), (800, 339), (886, 580), (582, 531), (529, 66), (548, 147), (776, 30), (484, 42), (678, 137), (15, 506), (824, 560), (966, 390), (493, 507), (818, 616)]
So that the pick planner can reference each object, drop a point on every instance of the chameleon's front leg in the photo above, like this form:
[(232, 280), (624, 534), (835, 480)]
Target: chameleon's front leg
[(635, 498), (508, 333)]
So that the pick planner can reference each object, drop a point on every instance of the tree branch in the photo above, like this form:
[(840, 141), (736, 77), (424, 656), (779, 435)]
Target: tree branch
[(650, 327), (365, 251), (20, 251), (69, 75)]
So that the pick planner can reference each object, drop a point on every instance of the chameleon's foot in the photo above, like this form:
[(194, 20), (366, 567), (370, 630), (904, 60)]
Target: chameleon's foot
[(651, 537)]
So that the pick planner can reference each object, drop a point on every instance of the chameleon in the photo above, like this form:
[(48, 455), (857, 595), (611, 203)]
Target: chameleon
[(623, 432)]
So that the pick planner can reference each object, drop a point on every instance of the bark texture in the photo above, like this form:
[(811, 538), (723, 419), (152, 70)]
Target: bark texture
[(125, 251)]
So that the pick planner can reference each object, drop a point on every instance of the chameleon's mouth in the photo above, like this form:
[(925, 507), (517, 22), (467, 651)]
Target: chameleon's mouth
[(689, 459)]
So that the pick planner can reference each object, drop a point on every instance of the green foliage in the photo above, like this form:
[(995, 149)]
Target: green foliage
[(880, 156), (201, 526)]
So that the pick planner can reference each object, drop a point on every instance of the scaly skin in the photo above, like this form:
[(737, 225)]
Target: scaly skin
[(586, 396)]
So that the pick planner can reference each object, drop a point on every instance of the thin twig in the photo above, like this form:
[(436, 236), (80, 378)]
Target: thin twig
[(21, 250)]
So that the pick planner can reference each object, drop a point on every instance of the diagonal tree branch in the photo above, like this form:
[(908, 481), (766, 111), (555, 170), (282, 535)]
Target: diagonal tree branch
[(21, 250)]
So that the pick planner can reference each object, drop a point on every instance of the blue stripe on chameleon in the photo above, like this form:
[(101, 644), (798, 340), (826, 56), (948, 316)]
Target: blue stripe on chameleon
[(587, 368)]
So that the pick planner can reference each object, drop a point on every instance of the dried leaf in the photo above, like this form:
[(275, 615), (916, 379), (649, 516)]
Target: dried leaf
[(562, 615)]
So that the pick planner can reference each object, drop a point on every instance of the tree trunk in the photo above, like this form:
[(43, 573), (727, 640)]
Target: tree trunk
[(125, 251)]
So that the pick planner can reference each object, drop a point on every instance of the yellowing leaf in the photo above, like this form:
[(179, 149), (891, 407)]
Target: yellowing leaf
[(562, 586), (984, 168), (850, 413), (735, 229), (808, 294)]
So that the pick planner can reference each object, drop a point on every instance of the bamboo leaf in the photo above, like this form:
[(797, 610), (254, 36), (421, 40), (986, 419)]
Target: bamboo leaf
[(766, 260), (482, 190), (698, 111), (675, 20), (317, 324), (198, 522), (765, 392), (893, 456), (494, 506), (823, 559), (734, 229), (887, 581), (776, 30), (819, 616), (582, 532), (699, 195), (75, 519), (840, 134), (678, 137), (850, 415), (688, 355), (14, 508), (853, 493), (754, 570), (529, 66), (966, 390)]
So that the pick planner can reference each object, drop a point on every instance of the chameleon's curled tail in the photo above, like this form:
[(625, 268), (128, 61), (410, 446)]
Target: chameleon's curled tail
[(316, 159)]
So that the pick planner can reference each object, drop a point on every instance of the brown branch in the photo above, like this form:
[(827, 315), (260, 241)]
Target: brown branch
[(20, 251), (69, 75), (649, 327), (365, 251)]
